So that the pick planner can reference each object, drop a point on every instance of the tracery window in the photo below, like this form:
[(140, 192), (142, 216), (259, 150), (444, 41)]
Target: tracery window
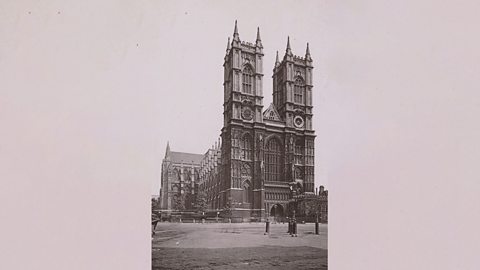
[(247, 80), (309, 153), (299, 90), (246, 147), (273, 161)]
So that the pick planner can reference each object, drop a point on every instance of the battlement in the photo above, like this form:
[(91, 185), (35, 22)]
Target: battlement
[(298, 58), (248, 46), (246, 43)]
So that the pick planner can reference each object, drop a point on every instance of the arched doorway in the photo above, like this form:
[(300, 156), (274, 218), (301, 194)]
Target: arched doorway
[(277, 212)]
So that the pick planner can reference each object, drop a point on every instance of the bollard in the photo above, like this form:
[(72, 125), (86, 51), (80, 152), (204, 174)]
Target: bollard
[(316, 227), (294, 228), (267, 227), (292, 231)]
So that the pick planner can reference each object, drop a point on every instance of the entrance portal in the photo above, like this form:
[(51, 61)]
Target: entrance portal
[(277, 212)]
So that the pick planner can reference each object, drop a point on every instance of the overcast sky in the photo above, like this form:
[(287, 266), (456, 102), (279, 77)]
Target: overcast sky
[(186, 52)]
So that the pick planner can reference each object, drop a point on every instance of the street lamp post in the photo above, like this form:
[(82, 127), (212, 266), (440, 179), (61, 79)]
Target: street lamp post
[(289, 225), (294, 225), (275, 213), (267, 224)]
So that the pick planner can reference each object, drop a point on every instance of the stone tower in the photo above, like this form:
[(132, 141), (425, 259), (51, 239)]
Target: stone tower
[(243, 123), (292, 97)]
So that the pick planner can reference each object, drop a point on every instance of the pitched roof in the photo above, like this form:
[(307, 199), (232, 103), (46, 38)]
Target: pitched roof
[(271, 113), (189, 158)]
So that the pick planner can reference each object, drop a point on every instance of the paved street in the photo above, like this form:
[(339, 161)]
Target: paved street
[(238, 246)]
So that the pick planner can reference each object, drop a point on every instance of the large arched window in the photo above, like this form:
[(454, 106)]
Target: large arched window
[(273, 160), (247, 80), (246, 147), (299, 91)]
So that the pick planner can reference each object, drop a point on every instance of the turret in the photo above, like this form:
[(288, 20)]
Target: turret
[(229, 46), (308, 57), (289, 50), (277, 62), (236, 37), (167, 151), (258, 42)]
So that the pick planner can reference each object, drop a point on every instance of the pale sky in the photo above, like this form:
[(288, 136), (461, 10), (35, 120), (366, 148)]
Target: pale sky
[(186, 52)]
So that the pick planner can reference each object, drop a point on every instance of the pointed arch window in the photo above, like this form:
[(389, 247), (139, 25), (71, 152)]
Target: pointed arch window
[(299, 91), (273, 160), (246, 147), (247, 80), (299, 151)]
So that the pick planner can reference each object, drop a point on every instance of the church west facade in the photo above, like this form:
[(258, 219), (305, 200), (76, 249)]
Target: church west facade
[(264, 156)]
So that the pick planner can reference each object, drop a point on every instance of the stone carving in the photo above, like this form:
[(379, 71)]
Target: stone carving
[(247, 100), (247, 113), (298, 173), (246, 170)]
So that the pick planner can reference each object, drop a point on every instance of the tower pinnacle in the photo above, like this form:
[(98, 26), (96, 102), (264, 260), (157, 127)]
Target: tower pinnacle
[(229, 46), (167, 151), (235, 33), (289, 50), (307, 53), (259, 40), (277, 62)]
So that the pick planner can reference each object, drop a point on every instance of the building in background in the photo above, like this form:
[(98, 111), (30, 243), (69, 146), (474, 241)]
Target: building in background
[(179, 179)]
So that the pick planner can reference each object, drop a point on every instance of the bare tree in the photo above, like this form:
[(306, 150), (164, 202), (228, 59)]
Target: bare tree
[(201, 202), (179, 202)]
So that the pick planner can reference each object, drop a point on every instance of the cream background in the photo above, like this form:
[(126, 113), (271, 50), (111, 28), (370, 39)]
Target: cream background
[(83, 112)]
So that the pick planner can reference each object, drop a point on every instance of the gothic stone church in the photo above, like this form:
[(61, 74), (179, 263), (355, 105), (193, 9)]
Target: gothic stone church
[(264, 157)]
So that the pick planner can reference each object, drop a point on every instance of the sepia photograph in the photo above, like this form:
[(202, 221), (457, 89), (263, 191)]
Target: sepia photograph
[(242, 182)]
